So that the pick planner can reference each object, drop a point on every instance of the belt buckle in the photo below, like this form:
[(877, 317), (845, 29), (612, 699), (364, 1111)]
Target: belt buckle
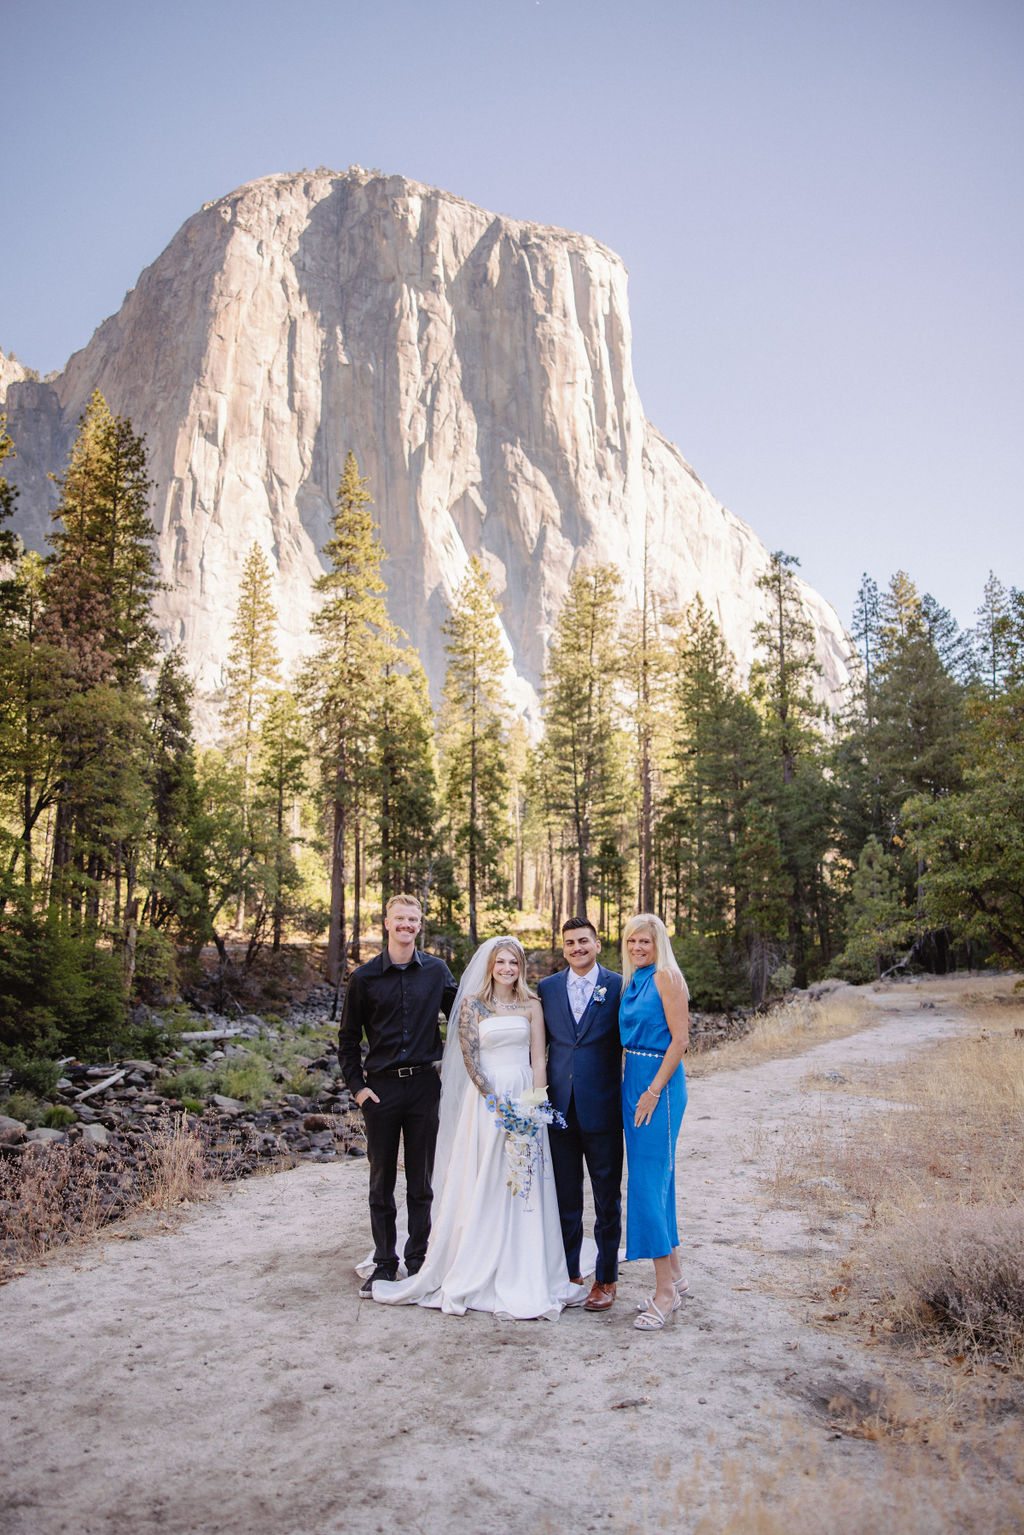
[(407, 1071)]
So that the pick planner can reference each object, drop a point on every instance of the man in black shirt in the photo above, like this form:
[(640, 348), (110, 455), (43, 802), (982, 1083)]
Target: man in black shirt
[(394, 1000)]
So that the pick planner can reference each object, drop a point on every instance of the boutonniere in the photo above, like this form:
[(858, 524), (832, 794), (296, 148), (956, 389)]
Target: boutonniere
[(599, 994)]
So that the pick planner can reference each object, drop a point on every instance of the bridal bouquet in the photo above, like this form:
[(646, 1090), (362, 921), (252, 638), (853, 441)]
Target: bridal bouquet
[(521, 1119)]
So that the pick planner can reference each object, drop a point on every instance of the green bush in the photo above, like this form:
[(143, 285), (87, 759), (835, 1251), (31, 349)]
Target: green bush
[(714, 971), (58, 1116), (193, 1083), (302, 1083), (36, 1074), (145, 1041), (156, 977), (60, 993), (25, 1107), (248, 1080)]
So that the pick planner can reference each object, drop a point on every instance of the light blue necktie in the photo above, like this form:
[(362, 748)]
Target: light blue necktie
[(578, 999)]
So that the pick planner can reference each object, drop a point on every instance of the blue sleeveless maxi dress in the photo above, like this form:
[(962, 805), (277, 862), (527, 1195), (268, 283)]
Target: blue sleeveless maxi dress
[(651, 1229)]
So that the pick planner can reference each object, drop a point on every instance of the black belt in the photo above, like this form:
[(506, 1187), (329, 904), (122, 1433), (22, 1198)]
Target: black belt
[(402, 1071)]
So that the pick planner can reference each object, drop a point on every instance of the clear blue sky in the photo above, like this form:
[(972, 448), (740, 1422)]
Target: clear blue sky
[(821, 206)]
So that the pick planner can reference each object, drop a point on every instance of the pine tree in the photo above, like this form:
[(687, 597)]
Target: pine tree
[(475, 778), (992, 636), (764, 898), (714, 747), (404, 814), (914, 745), (579, 715), (341, 681), (10, 544), (175, 879), (899, 612), (253, 668), (99, 587), (877, 921), (793, 784), (37, 684), (103, 569), (646, 674), (970, 843), (952, 646), (280, 781), (518, 753)]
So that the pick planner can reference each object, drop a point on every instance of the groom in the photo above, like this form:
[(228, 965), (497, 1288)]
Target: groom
[(581, 1014)]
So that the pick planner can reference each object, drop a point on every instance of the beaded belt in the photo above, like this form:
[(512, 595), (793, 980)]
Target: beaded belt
[(655, 1055)]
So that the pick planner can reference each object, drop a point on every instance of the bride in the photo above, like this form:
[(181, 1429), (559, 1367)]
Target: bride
[(496, 1240)]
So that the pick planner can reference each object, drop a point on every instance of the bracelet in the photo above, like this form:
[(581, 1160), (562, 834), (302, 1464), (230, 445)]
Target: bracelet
[(654, 1092)]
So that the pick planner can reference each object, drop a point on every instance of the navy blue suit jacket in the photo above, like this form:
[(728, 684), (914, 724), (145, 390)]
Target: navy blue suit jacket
[(587, 1067)]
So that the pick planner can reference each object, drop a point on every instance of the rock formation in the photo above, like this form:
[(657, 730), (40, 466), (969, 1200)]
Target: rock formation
[(480, 369)]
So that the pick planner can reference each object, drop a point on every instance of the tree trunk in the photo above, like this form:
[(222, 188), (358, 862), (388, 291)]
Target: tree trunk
[(336, 931), (357, 880)]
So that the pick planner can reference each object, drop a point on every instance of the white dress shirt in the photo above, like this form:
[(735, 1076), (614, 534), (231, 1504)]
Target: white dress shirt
[(581, 989)]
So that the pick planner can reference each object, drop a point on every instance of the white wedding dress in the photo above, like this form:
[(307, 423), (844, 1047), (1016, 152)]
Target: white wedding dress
[(490, 1249)]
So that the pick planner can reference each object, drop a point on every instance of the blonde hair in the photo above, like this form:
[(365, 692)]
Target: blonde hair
[(521, 991), (664, 959), (402, 900)]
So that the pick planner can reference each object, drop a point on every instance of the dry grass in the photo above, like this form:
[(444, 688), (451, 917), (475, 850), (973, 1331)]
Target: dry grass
[(959, 1273), (58, 1195), (789, 1029), (937, 1173), (910, 1478)]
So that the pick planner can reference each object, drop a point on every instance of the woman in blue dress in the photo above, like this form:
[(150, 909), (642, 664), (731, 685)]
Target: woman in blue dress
[(654, 1022)]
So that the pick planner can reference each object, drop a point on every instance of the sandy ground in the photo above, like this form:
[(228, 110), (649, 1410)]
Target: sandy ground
[(220, 1373)]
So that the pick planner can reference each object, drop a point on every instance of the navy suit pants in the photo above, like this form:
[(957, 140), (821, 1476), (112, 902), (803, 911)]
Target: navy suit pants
[(601, 1152)]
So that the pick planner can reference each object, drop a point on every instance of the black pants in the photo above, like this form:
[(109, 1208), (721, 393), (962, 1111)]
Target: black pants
[(601, 1151), (407, 1111)]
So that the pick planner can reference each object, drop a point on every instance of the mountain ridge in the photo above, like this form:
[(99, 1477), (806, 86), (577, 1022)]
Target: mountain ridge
[(480, 368)]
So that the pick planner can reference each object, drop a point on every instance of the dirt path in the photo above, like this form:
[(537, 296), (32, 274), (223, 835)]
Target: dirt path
[(223, 1376)]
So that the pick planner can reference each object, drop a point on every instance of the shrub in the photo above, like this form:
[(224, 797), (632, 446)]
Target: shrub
[(715, 972), (45, 1201), (60, 993), (58, 1116), (248, 1080), (302, 1083), (782, 979), (143, 1041), (175, 1166), (193, 1083), (25, 1107), (48, 1200), (958, 1272), (36, 1074), (156, 977)]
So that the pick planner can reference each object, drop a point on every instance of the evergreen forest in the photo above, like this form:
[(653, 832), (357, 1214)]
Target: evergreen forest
[(780, 842)]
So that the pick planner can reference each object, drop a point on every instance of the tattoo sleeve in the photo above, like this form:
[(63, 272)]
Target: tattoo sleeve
[(469, 1039)]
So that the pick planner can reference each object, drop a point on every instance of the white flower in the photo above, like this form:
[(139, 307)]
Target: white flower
[(600, 992), (533, 1097)]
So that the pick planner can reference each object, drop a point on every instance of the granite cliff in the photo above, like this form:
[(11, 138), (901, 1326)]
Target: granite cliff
[(478, 366)]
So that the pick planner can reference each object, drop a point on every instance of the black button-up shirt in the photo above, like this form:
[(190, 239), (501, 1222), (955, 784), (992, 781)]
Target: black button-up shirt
[(396, 1007)]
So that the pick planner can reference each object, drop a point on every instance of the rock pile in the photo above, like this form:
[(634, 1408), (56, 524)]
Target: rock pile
[(115, 1106)]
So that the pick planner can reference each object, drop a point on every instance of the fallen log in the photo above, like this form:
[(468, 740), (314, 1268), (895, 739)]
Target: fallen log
[(99, 1086), (196, 1037)]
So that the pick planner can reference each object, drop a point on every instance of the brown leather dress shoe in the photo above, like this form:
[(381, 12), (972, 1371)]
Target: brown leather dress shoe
[(601, 1297)]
